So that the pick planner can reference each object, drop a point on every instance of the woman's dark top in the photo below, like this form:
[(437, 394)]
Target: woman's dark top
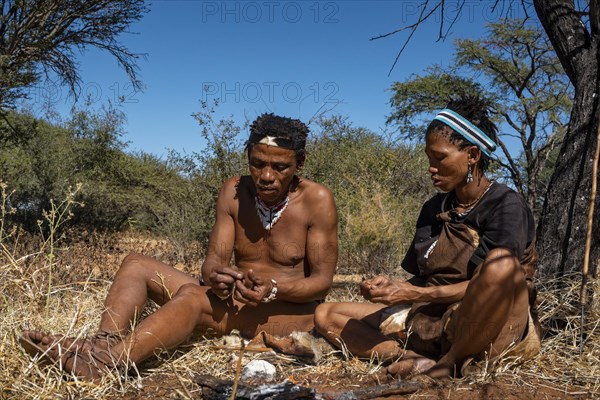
[(448, 246)]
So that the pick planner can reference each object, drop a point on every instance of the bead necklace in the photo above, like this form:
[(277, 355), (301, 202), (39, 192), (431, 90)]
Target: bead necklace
[(471, 204), (270, 215)]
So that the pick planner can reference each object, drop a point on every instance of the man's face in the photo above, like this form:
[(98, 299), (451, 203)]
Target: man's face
[(272, 169)]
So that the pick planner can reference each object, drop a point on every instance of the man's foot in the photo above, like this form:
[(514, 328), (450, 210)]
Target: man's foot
[(40, 342), (38, 345), (85, 358), (86, 365)]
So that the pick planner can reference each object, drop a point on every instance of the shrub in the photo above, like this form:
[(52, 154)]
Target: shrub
[(379, 186)]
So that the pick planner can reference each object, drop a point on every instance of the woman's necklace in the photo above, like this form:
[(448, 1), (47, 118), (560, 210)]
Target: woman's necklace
[(471, 204)]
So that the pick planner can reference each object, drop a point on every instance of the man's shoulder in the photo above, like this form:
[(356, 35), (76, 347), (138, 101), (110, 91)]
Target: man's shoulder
[(314, 191), (233, 189), (236, 183)]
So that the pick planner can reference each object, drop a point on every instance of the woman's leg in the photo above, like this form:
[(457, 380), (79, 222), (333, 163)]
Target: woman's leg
[(492, 315)]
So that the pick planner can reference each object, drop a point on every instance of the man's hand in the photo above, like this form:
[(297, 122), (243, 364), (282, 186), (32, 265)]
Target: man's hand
[(222, 280), (252, 290), (382, 289)]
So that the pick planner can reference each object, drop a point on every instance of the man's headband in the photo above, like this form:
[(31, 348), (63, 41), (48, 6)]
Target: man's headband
[(279, 142), (272, 141), (469, 131)]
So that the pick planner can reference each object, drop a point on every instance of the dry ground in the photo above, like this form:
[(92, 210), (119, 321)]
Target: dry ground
[(65, 294)]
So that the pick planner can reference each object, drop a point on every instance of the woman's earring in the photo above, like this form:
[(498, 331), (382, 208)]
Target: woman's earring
[(469, 174)]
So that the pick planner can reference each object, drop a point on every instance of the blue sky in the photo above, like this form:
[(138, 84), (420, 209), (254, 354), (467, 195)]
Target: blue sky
[(292, 58)]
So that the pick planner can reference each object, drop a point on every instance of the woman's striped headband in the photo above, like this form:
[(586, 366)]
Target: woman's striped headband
[(469, 131)]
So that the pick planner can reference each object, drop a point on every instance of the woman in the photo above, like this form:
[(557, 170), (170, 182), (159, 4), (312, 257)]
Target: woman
[(472, 258)]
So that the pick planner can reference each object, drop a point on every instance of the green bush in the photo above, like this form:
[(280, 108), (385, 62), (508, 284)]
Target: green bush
[(379, 184)]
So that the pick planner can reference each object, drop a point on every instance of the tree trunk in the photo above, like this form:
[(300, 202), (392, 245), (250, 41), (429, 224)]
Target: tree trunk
[(563, 223)]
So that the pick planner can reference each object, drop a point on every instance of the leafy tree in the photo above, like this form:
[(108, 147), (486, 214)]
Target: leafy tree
[(515, 67), (39, 37), (36, 169), (223, 155)]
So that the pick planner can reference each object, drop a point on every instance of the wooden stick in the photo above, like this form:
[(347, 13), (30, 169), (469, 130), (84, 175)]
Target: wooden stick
[(248, 349), (238, 369), (588, 240), (396, 388)]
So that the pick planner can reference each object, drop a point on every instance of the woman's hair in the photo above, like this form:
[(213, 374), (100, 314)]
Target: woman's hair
[(284, 132), (474, 109)]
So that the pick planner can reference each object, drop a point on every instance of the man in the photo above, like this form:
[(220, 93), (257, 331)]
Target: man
[(282, 231)]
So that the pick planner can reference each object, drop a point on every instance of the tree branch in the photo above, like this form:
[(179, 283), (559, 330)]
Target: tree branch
[(594, 17), (513, 169)]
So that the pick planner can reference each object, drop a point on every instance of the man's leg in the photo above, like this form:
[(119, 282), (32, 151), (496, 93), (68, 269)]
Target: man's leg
[(193, 308), (492, 315), (356, 325), (188, 310), (138, 279)]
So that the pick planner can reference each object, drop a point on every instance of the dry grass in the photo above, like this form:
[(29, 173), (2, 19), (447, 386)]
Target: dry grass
[(65, 295)]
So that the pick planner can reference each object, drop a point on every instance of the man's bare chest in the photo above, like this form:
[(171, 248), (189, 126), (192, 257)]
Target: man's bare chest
[(284, 244)]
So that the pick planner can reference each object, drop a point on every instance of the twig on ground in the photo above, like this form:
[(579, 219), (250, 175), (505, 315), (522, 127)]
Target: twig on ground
[(238, 369)]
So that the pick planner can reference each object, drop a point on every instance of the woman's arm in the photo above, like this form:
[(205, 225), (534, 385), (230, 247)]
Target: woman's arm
[(386, 291)]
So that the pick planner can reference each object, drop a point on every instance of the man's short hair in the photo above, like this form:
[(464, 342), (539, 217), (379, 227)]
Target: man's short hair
[(279, 131)]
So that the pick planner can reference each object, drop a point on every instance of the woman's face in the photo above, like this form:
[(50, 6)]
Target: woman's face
[(447, 163)]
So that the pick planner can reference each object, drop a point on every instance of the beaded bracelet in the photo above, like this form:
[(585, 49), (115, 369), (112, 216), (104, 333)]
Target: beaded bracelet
[(273, 293)]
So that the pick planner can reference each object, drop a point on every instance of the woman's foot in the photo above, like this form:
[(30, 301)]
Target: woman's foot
[(405, 368), (444, 369)]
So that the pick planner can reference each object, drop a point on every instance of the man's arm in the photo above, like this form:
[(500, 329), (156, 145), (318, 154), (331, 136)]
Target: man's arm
[(321, 250), (216, 271)]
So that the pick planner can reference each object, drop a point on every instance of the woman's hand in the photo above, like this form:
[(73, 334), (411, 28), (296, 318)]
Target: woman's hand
[(382, 289), (369, 284)]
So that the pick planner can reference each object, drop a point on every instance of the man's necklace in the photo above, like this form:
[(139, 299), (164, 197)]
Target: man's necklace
[(471, 204), (270, 215)]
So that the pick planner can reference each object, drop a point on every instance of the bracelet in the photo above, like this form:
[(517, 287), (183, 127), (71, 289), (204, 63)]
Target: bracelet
[(273, 293), (222, 297), (227, 295)]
